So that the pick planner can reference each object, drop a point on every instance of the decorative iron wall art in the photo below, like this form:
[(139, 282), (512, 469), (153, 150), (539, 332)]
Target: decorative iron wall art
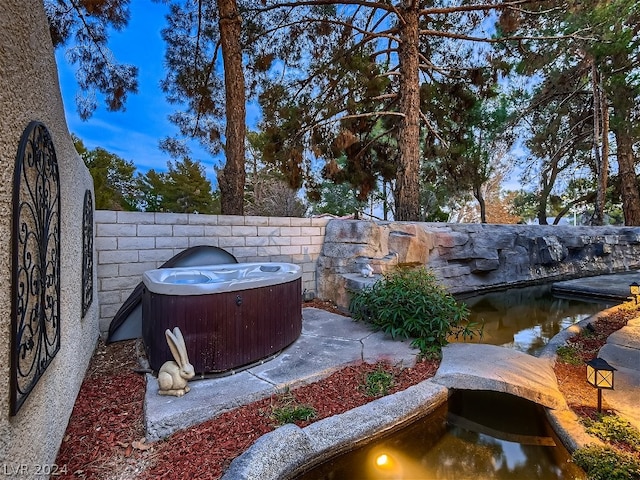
[(35, 319), (87, 252)]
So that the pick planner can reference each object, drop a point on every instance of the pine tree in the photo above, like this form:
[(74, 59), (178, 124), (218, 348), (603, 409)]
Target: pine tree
[(113, 178), (86, 24), (360, 84)]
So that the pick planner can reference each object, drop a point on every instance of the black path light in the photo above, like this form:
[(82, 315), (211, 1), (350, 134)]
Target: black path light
[(600, 375), (634, 289)]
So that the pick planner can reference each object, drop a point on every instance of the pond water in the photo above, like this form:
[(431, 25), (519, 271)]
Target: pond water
[(526, 318), (479, 435)]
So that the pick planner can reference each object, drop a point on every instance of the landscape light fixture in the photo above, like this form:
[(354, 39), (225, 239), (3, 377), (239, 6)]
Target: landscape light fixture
[(634, 288), (600, 375)]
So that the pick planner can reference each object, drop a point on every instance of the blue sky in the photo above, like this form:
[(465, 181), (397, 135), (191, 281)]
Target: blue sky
[(135, 133)]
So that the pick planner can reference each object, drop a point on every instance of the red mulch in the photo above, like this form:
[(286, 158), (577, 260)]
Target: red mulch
[(325, 305), (106, 423)]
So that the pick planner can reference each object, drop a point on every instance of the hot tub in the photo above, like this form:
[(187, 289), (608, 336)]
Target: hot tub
[(230, 315)]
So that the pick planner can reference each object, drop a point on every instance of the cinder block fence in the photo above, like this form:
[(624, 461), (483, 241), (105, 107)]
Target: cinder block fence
[(128, 243)]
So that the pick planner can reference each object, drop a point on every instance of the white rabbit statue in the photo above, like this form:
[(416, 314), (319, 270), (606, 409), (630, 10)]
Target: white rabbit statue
[(367, 271), (173, 376)]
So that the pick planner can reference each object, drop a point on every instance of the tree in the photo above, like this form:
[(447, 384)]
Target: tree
[(267, 193), (561, 130), (193, 79), (601, 43), (365, 65), (187, 189), (614, 53), (499, 205), (151, 186), (113, 178), (197, 33), (271, 195), (182, 189), (88, 23), (463, 149), (337, 199)]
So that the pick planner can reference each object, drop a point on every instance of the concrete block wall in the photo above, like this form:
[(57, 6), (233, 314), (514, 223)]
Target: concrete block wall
[(128, 243)]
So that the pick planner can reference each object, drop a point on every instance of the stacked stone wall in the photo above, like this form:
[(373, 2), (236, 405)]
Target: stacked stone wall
[(128, 243), (471, 257)]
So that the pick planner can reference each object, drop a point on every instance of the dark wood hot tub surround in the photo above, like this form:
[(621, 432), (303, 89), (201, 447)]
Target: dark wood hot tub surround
[(226, 330)]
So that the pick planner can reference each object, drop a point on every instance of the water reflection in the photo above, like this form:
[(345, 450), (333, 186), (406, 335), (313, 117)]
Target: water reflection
[(480, 435), (526, 318)]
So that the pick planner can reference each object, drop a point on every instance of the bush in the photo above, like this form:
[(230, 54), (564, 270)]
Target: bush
[(409, 303), (605, 463), (611, 428)]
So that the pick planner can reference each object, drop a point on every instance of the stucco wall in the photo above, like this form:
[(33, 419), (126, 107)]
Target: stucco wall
[(472, 257), (128, 243), (29, 91)]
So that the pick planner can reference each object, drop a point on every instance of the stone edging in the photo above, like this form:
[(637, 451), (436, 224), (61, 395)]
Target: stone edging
[(283, 452), (565, 422)]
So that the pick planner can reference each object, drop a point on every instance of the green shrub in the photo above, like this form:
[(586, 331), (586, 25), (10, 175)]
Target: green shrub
[(292, 413), (606, 463), (611, 428), (409, 303), (287, 409), (569, 354), (378, 382)]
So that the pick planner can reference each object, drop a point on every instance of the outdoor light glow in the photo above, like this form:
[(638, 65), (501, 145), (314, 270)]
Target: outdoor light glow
[(386, 463), (634, 288)]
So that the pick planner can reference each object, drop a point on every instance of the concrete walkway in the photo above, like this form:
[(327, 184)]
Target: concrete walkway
[(611, 287), (622, 351)]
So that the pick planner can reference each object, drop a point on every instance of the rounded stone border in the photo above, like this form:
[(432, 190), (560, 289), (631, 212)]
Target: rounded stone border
[(280, 454), (565, 422), (283, 452)]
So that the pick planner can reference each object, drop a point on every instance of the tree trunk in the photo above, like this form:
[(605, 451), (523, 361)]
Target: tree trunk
[(598, 213), (546, 185), (621, 97), (604, 181), (626, 167), (232, 178), (407, 190), (477, 192), (626, 162)]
